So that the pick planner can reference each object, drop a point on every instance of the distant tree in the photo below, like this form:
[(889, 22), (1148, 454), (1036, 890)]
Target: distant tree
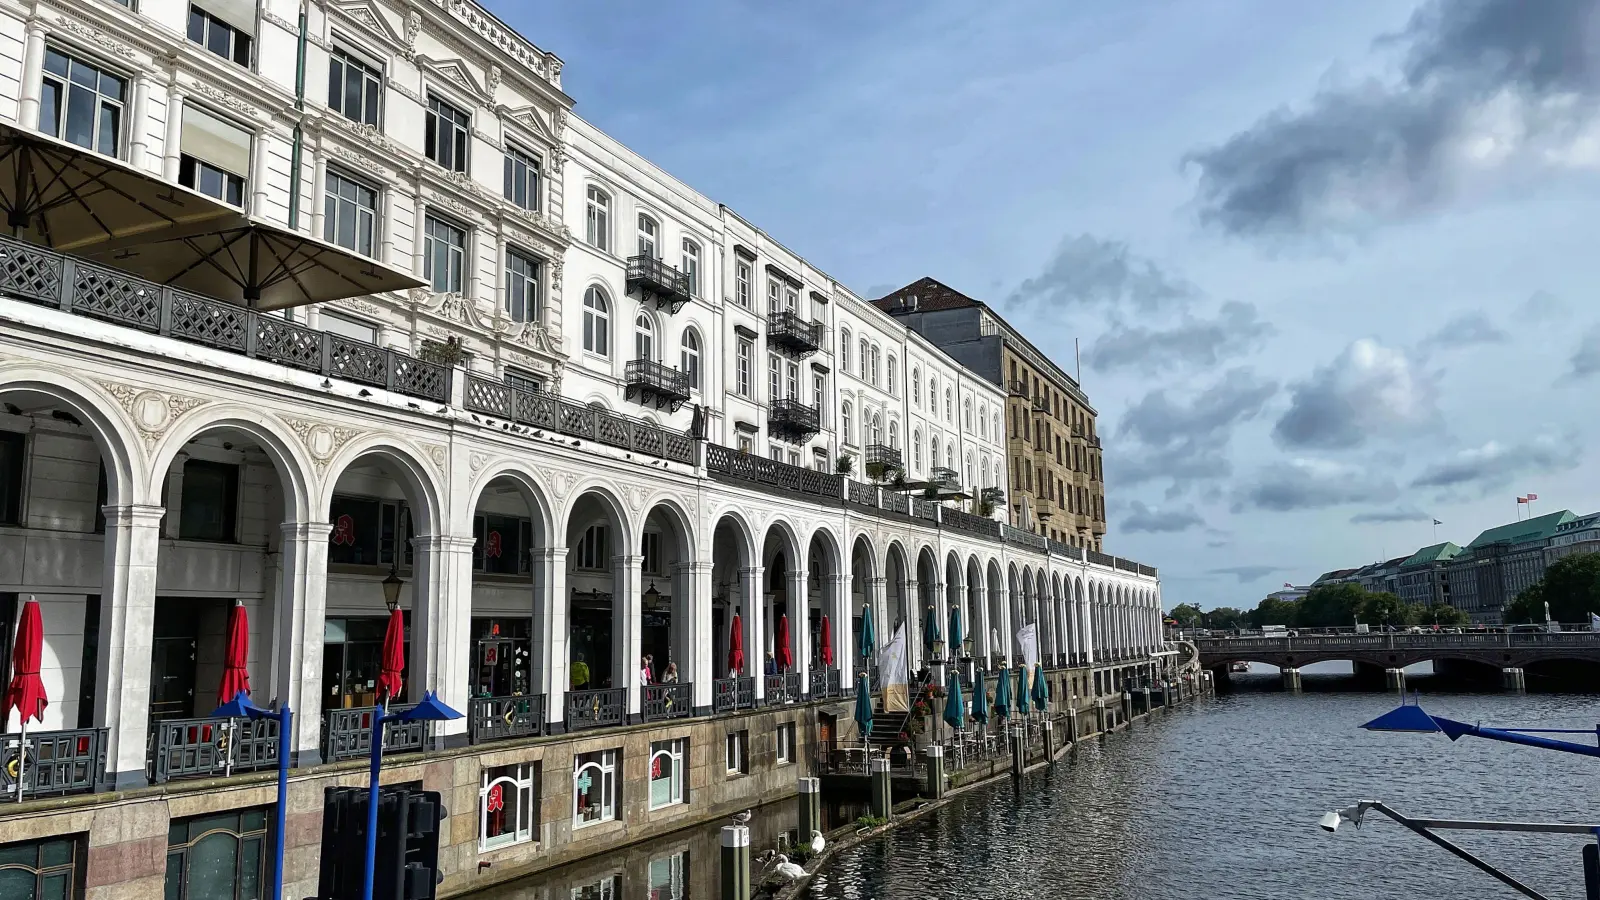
[(1385, 610), (1187, 614), (1527, 607), (1572, 587), (1331, 605), (1274, 611), (1442, 614), (1226, 617)]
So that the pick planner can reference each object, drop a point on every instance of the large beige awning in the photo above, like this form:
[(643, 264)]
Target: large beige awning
[(76, 201)]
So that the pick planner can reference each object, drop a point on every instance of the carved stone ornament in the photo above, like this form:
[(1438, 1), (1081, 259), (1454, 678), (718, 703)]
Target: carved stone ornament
[(98, 38), (561, 483), (492, 81), (322, 441), (477, 461), (207, 89), (152, 411), (636, 498), (413, 28), (437, 454)]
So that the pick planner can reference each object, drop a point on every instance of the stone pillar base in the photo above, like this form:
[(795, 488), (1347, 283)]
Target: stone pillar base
[(1394, 680), (1291, 679), (1514, 680)]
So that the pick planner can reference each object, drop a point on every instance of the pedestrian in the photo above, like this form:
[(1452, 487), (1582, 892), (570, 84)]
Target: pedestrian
[(671, 675), (580, 673), (772, 664), (644, 670)]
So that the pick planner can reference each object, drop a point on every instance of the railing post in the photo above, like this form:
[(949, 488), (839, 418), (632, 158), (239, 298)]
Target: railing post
[(164, 317), (325, 364), (250, 330), (69, 278), (388, 367)]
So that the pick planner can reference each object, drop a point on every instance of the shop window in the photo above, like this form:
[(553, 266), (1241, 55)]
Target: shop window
[(502, 545), (220, 856), (210, 503), (508, 805), (352, 649), (368, 532), (13, 468), (503, 656), (594, 788), (667, 783), (738, 752), (49, 869)]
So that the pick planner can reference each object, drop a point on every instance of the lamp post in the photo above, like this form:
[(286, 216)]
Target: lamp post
[(391, 588), (431, 709), (240, 707)]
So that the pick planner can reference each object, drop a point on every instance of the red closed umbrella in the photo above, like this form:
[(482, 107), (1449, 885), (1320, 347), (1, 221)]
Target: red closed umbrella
[(736, 647), (26, 693), (827, 642), (235, 678), (394, 657), (780, 652)]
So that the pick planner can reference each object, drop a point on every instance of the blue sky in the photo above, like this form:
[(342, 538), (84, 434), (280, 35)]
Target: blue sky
[(1330, 264)]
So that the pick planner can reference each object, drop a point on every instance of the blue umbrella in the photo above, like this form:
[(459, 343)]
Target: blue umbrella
[(1002, 695), (955, 631), (930, 630), (869, 637), (1041, 689), (980, 699), (1022, 690), (863, 705), (952, 702)]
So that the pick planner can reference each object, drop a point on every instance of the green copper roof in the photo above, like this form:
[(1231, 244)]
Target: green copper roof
[(1539, 528), (1433, 554)]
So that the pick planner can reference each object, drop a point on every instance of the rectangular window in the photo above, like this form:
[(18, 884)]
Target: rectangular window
[(775, 451), (522, 178), (355, 87), (747, 444), (444, 255), (792, 381), (741, 284), (367, 532), (522, 287), (355, 329), (691, 266), (13, 471), (650, 553), (774, 384), (445, 135), (216, 154), (742, 367), (794, 456), (594, 788), (350, 214), (818, 391), (48, 869), (785, 734), (667, 880), (81, 104), (228, 32), (667, 783), (738, 752), (592, 550), (501, 544), (218, 856), (819, 309), (774, 295), (210, 504), (791, 297), (607, 888), (508, 805)]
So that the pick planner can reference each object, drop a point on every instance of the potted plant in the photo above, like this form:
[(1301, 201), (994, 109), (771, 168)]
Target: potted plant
[(844, 464)]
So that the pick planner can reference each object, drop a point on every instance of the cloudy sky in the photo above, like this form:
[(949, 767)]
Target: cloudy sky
[(1330, 264)]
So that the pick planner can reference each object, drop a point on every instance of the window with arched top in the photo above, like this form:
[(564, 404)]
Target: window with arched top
[(649, 237), (844, 349), (872, 375), (933, 396), (966, 415), (875, 431), (949, 406), (893, 387), (933, 450), (916, 451), (597, 219), (596, 321), (594, 788), (894, 434), (845, 432), (865, 348), (916, 386), (950, 456), (689, 357), (691, 266), (972, 473), (644, 337)]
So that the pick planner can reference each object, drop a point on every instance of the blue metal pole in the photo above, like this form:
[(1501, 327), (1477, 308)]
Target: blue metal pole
[(372, 803), (285, 718)]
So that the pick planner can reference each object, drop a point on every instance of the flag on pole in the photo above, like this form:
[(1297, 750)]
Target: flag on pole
[(1287, 585), (1437, 522), (1532, 497), (1522, 499)]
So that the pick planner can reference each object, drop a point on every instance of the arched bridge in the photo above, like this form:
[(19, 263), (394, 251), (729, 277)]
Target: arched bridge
[(1393, 651)]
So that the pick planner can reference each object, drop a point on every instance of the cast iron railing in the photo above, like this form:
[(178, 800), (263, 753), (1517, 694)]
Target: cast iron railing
[(887, 458), (951, 517), (725, 695), (498, 718), (57, 762), (648, 381), (787, 331), (42, 276), (653, 278), (1126, 565), (1101, 559), (894, 501), (861, 493), (667, 701), (777, 688), (730, 463), (549, 412), (595, 709), (944, 479), (347, 733), (745, 691), (208, 747), (1021, 538), (792, 419)]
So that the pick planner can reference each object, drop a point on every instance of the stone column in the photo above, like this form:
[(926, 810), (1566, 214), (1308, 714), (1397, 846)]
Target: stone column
[(441, 628), (33, 77), (914, 612), (627, 614), (754, 664), (319, 189), (171, 145), (127, 626), (138, 132), (877, 595), (697, 663), (386, 226), (799, 597), (298, 614), (551, 650), (1291, 679), (998, 596), (1085, 632), (845, 653), (419, 216), (1514, 680), (258, 172)]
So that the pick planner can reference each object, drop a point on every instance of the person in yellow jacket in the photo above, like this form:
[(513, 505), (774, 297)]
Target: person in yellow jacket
[(580, 673)]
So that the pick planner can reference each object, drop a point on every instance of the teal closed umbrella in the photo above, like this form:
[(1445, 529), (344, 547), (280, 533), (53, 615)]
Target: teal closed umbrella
[(956, 630), (930, 631), (863, 705), (1022, 690), (869, 637), (952, 702), (1002, 695), (980, 699), (1041, 689)]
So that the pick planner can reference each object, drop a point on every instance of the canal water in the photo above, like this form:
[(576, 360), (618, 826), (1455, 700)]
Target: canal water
[(1221, 800)]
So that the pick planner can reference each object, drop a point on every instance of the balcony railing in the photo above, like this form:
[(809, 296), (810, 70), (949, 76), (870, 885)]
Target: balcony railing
[(648, 381), (57, 762), (549, 412), (945, 479), (207, 747), (656, 280), (667, 701), (347, 733), (725, 695), (596, 709), (793, 335), (1021, 538), (731, 463), (896, 502), (1101, 559), (887, 459), (861, 493), (794, 420), (32, 273), (1017, 388), (1041, 404), (965, 521), (777, 688), (498, 718)]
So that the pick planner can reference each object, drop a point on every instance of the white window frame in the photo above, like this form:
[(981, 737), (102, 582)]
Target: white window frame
[(605, 767), (648, 231), (522, 288), (774, 379), (736, 752), (676, 750), (523, 782), (742, 274), (597, 322), (63, 86), (741, 367), (645, 344), (689, 357), (691, 265), (785, 733), (597, 218)]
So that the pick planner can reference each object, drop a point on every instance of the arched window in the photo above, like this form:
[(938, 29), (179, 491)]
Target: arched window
[(691, 266), (597, 219), (876, 355), (966, 414), (916, 386), (644, 338), (949, 406), (916, 451), (649, 232), (998, 431), (865, 349), (844, 349), (933, 450), (933, 396), (894, 434), (950, 456), (844, 423), (596, 322), (875, 432), (689, 358), (893, 392), (972, 474)]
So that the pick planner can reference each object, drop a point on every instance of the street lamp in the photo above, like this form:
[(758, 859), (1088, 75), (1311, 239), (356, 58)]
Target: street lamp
[(240, 707), (431, 709), (391, 588)]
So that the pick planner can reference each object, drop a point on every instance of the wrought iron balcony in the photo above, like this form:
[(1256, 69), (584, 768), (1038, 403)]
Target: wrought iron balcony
[(667, 701), (792, 419), (595, 709), (887, 460), (650, 382), (498, 718), (207, 747), (944, 480), (787, 331), (547, 411), (1017, 388), (58, 762), (782, 477), (1041, 404), (655, 280), (347, 733)]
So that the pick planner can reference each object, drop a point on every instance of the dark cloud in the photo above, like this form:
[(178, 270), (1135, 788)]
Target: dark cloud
[(1585, 361), (1369, 389), (1091, 271), (1143, 518), (1483, 85), (1247, 574), (1186, 440), (1542, 306), (1482, 470), (1464, 331), (1388, 516), (1312, 484), (1192, 342)]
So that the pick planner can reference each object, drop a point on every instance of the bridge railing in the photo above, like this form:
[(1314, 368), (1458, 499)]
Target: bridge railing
[(1400, 641)]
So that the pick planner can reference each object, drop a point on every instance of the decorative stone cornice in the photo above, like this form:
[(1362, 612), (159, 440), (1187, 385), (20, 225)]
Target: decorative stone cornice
[(152, 411)]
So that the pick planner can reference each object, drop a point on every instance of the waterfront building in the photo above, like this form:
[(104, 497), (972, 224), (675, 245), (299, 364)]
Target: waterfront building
[(1057, 487), (425, 324), (1579, 535), (1500, 563), (1424, 576)]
